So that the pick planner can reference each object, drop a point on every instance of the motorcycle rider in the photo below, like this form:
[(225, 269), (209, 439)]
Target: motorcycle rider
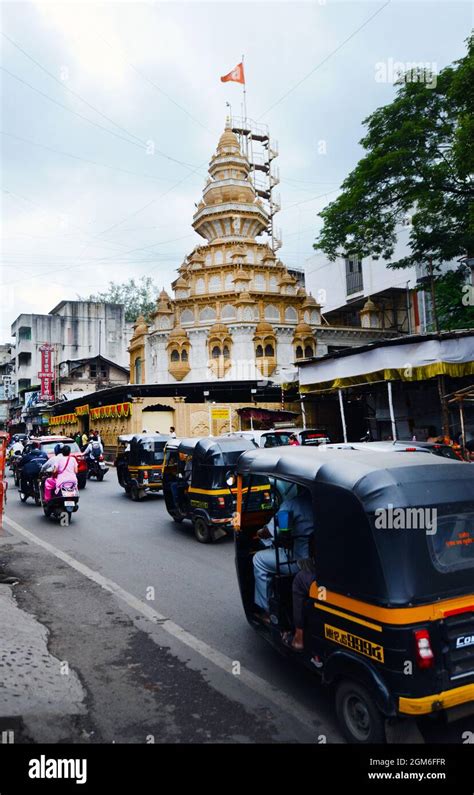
[(93, 450), (30, 464)]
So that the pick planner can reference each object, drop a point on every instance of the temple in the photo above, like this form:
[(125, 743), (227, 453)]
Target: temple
[(237, 313)]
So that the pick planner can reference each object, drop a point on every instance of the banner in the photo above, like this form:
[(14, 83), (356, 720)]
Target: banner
[(63, 419), (81, 410), (111, 412), (46, 373)]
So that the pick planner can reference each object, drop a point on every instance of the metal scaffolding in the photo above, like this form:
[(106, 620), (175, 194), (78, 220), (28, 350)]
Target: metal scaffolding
[(261, 151)]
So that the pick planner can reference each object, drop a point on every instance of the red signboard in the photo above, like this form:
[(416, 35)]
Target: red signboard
[(46, 373)]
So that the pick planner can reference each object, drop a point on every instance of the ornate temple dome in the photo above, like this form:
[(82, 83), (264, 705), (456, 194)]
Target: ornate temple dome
[(229, 209), (178, 333), (310, 301), (303, 328), (264, 328), (218, 328)]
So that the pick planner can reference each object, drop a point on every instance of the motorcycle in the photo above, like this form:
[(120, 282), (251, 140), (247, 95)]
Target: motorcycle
[(62, 504), (32, 489), (13, 466), (97, 468)]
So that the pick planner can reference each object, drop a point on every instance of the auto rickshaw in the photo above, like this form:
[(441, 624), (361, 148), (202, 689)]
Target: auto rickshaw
[(199, 484), (139, 463), (388, 617)]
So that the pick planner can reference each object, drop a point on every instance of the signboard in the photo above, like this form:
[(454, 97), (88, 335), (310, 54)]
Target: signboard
[(46, 373), (220, 413), (31, 399)]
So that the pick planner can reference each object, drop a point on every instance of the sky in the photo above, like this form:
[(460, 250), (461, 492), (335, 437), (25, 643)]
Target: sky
[(111, 112)]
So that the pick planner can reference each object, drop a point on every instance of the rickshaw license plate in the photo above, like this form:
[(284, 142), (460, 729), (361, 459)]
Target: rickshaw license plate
[(69, 503), (354, 642)]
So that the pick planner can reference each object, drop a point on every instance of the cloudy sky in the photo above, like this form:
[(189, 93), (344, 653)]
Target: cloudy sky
[(112, 110)]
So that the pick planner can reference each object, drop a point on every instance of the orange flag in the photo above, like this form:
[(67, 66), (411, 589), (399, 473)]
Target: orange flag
[(236, 75)]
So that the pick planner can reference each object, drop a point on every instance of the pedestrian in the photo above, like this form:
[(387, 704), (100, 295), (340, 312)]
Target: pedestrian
[(85, 440), (172, 432)]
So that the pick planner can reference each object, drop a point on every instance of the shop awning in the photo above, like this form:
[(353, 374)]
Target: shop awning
[(266, 415), (409, 359)]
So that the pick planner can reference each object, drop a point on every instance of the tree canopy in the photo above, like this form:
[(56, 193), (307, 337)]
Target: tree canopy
[(138, 297), (418, 166)]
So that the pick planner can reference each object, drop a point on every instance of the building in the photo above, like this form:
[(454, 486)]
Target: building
[(6, 383), (76, 329), (82, 376), (368, 293), (237, 313)]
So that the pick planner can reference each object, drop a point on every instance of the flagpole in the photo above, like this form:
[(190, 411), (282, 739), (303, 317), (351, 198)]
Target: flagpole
[(245, 91)]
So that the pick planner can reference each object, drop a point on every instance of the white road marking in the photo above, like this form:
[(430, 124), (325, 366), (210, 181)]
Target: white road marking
[(251, 680)]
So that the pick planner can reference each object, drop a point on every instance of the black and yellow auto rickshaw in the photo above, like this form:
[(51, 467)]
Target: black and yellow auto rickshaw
[(388, 614), (199, 484), (139, 463)]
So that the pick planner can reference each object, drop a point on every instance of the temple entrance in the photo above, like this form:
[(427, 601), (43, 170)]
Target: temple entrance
[(157, 418)]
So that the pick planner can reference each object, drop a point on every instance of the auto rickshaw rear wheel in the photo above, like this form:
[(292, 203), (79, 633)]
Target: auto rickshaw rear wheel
[(202, 530), (360, 719)]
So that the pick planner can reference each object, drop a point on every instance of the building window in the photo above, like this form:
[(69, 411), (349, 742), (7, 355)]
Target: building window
[(269, 350), (187, 316), (271, 313), (228, 312), (200, 285), (174, 356), (184, 355), (24, 383), (354, 279), (291, 313), (24, 333), (93, 370), (308, 351), (299, 352), (104, 373), (24, 358), (259, 351), (215, 284), (216, 352), (207, 314), (226, 352), (138, 370)]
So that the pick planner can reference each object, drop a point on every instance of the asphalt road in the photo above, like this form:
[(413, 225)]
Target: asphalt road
[(152, 586)]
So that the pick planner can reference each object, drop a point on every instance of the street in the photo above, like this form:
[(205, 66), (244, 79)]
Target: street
[(151, 623)]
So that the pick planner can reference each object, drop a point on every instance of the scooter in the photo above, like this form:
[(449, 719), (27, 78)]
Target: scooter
[(97, 468), (62, 504)]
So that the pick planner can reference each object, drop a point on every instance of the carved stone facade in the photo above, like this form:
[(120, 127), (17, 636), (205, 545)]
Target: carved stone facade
[(236, 308)]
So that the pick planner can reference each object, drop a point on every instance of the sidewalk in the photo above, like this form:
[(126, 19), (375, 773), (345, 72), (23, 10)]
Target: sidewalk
[(35, 686)]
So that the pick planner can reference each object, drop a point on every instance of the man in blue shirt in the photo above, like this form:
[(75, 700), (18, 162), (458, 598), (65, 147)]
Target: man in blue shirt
[(300, 511), (30, 466)]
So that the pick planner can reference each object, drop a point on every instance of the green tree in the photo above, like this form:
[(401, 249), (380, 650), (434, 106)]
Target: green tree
[(419, 163), (454, 308), (138, 297)]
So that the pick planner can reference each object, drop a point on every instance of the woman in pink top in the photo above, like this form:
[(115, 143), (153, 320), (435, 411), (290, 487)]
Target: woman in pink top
[(64, 472)]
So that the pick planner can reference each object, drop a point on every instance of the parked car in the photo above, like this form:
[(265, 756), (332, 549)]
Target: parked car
[(48, 443), (435, 448), (271, 438), (309, 436)]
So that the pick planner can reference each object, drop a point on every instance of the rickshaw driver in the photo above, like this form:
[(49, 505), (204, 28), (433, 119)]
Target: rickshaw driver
[(300, 508)]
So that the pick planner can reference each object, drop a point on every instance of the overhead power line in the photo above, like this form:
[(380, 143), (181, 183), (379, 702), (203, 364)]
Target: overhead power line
[(325, 60), (96, 124)]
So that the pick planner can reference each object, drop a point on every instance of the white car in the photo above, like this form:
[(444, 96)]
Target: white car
[(271, 438)]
